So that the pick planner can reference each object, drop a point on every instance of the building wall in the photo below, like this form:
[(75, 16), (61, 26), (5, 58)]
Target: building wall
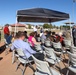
[(18, 28)]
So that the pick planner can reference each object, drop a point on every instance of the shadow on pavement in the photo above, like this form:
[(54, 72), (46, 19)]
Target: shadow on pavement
[(2, 48), (64, 71)]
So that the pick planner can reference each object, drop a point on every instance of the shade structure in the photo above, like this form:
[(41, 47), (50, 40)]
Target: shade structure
[(40, 15), (67, 23)]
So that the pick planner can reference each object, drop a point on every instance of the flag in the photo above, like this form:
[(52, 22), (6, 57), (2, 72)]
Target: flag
[(74, 0)]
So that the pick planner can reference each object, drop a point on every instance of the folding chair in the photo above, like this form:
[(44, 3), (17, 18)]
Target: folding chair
[(23, 60), (8, 46), (59, 50), (38, 48), (71, 63), (47, 43), (14, 56), (38, 39), (42, 68), (42, 41), (73, 49), (67, 43), (26, 40), (50, 57), (30, 43), (57, 47)]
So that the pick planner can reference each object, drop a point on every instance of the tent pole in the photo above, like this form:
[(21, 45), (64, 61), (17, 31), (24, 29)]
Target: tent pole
[(71, 33), (16, 24)]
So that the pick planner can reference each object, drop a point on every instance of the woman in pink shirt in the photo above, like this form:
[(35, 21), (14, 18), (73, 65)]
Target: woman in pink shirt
[(32, 40)]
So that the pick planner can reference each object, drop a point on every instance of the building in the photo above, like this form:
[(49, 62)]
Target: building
[(19, 27)]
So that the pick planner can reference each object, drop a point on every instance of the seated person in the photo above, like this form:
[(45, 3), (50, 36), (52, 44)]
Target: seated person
[(32, 40), (9, 38), (19, 43), (38, 38), (51, 38), (48, 34), (58, 39), (15, 37), (43, 36), (26, 34), (54, 34), (26, 39)]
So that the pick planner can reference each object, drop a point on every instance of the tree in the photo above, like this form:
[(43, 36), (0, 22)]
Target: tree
[(51, 26), (65, 27), (47, 26), (54, 26), (57, 27)]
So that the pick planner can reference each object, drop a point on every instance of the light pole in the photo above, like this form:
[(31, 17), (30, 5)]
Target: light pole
[(73, 10)]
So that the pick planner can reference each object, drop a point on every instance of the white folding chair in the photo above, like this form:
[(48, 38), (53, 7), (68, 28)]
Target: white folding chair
[(8, 46), (14, 56), (71, 63), (30, 43), (47, 43), (56, 47), (23, 59), (59, 50), (67, 43), (50, 57), (38, 47), (26, 40), (38, 39), (42, 68), (73, 49), (42, 41)]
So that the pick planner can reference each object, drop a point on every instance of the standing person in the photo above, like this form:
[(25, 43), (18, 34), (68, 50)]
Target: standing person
[(10, 29), (6, 31), (41, 30), (74, 35), (35, 28)]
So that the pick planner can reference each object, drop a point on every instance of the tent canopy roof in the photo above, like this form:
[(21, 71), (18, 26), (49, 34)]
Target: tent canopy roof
[(40, 15)]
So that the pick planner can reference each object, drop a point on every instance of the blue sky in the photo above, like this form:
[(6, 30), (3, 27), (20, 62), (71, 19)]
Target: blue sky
[(8, 8)]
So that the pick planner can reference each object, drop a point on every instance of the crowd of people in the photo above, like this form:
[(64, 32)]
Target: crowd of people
[(21, 40), (27, 42)]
